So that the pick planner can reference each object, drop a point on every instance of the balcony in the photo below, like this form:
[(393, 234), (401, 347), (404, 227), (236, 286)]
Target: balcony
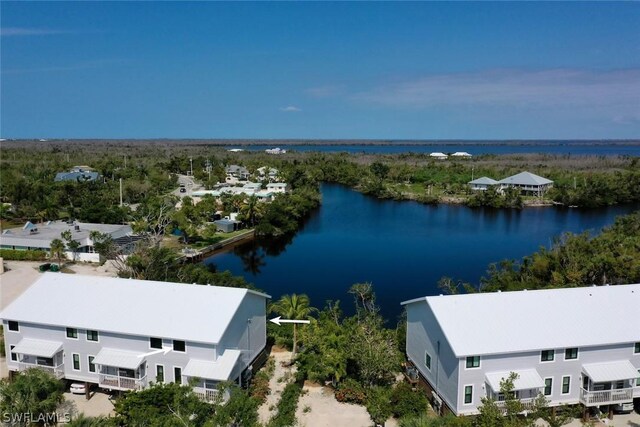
[(605, 397), (56, 371), (116, 382), (210, 395)]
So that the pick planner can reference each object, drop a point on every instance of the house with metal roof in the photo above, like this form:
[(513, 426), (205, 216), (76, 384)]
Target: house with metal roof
[(482, 184), (235, 172), (77, 174), (562, 343), (123, 334), (39, 236), (438, 155), (527, 182)]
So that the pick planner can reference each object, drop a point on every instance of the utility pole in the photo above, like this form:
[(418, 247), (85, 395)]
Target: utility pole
[(472, 168), (121, 191), (191, 162)]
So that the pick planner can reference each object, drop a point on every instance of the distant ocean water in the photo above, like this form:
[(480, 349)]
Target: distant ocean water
[(474, 148)]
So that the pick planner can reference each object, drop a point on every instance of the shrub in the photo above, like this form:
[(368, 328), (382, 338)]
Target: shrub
[(407, 402), (350, 391), (15, 255), (260, 384), (378, 404), (286, 415)]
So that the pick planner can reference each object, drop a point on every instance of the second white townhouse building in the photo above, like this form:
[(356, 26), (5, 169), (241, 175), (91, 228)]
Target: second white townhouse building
[(575, 345), (123, 334)]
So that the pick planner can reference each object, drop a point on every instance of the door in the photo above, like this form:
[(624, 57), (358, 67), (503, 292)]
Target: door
[(177, 375)]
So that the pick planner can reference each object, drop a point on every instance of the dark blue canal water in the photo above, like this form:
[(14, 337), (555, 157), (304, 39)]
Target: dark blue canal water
[(403, 248), (573, 148)]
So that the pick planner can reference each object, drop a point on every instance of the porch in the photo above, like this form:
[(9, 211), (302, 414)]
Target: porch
[(526, 387), (40, 354), (608, 383), (208, 375), (120, 370)]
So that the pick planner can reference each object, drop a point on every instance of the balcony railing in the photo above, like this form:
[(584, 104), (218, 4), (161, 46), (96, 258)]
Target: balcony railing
[(122, 383), (210, 395), (56, 371), (527, 404), (606, 397)]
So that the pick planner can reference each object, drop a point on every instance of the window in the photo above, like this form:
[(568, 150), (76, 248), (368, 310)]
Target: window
[(427, 360), (570, 353), (468, 394), (92, 335), (14, 356), (566, 385), (636, 347), (76, 362), (547, 355), (548, 385), (177, 375), (14, 326), (179, 346), (155, 342), (92, 366), (72, 333), (160, 373), (473, 362), (637, 380)]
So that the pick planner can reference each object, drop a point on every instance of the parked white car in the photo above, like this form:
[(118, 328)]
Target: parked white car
[(78, 388)]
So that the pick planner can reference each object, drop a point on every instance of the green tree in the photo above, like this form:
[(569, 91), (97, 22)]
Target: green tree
[(57, 250), (294, 307), (34, 391), (70, 243)]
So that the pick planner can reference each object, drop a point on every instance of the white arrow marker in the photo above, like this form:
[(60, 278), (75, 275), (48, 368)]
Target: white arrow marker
[(278, 321), (163, 350)]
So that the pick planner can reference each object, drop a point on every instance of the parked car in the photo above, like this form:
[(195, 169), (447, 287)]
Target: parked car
[(623, 408), (78, 388)]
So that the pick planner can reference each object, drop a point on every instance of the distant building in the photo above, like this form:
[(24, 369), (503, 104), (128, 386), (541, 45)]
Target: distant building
[(462, 154), (276, 150), (77, 174), (124, 334), (39, 236), (527, 182), (561, 342), (227, 225), (482, 183), (235, 173), (277, 187), (439, 156), (266, 172)]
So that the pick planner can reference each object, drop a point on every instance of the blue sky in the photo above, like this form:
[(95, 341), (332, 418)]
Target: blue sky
[(320, 70)]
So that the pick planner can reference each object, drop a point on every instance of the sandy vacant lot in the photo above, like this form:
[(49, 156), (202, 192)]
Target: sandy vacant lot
[(19, 275)]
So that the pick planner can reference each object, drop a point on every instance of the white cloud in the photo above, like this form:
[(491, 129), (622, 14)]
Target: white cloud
[(290, 109), (616, 92), (18, 31)]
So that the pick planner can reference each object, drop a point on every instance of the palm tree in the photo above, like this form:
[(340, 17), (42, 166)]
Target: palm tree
[(295, 307), (57, 250)]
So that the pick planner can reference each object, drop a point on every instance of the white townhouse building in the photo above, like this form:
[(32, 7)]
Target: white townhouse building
[(574, 345), (123, 334)]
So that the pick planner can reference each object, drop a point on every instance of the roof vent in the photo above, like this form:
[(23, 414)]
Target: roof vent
[(77, 228)]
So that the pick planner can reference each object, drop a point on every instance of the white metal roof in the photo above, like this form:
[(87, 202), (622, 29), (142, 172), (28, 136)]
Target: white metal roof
[(40, 348), (505, 322), (527, 379), (610, 371), (461, 154), (119, 358), (135, 307), (48, 231), (525, 178), (484, 180), (438, 154), (219, 370)]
